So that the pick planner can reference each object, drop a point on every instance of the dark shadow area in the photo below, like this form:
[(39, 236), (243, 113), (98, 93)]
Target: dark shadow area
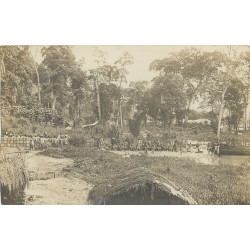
[(12, 197), (150, 194)]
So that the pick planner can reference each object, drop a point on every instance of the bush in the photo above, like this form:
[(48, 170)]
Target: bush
[(77, 141), (134, 127)]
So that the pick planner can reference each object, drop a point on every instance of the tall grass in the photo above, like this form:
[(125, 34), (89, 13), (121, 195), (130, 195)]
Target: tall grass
[(13, 178)]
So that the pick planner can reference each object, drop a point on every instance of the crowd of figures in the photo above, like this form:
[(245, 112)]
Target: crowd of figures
[(43, 142), (170, 143), (145, 145)]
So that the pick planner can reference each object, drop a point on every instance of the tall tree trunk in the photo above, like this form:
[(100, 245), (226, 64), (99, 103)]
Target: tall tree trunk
[(78, 109), (53, 104), (38, 83), (2, 71), (200, 83), (164, 126), (221, 112), (188, 109), (120, 108), (169, 125), (245, 119), (98, 100), (37, 76), (22, 89), (121, 120)]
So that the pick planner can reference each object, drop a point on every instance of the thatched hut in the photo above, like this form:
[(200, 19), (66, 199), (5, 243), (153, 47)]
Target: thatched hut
[(139, 187), (13, 179)]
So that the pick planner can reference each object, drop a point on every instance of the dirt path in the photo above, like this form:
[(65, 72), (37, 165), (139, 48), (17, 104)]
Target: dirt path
[(50, 185)]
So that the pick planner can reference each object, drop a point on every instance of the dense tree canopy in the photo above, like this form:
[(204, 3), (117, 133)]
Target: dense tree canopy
[(58, 88), (18, 77)]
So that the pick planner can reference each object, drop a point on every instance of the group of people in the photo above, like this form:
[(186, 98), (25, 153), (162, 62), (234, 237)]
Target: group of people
[(10, 134), (213, 149), (145, 144), (40, 142), (141, 145), (44, 141)]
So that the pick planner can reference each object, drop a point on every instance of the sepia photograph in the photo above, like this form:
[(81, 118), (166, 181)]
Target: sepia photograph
[(125, 125), (135, 105)]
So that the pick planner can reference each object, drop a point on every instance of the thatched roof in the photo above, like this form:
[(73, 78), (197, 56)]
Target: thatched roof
[(13, 172), (133, 180)]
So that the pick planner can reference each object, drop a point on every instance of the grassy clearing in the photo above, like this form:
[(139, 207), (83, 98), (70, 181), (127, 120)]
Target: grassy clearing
[(207, 184)]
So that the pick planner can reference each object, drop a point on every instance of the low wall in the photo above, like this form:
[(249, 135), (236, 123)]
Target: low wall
[(14, 142)]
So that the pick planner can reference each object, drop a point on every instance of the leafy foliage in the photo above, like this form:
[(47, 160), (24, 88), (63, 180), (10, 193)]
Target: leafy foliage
[(109, 94), (70, 93)]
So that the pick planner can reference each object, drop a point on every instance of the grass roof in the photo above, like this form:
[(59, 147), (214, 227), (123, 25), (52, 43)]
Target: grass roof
[(132, 181), (13, 171)]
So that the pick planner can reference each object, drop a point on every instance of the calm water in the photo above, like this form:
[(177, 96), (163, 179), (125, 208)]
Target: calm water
[(203, 157), (234, 159)]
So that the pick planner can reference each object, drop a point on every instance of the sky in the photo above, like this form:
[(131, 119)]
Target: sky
[(143, 56)]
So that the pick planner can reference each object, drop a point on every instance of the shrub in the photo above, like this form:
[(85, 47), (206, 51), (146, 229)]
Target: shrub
[(77, 137), (77, 141), (134, 127)]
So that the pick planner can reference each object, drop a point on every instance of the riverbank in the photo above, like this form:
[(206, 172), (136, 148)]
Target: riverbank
[(68, 177), (203, 157), (51, 184)]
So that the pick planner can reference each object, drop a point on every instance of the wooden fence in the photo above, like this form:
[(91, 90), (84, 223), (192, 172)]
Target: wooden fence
[(14, 142)]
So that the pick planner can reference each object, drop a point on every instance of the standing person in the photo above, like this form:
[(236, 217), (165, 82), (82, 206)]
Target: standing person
[(139, 144), (219, 150), (186, 146), (145, 146), (38, 139), (42, 141), (190, 147), (216, 149), (95, 141), (175, 146), (98, 142), (112, 142), (129, 144), (209, 149), (35, 142), (153, 147), (59, 141), (198, 147), (32, 144), (66, 140), (181, 146), (101, 142), (158, 145)]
